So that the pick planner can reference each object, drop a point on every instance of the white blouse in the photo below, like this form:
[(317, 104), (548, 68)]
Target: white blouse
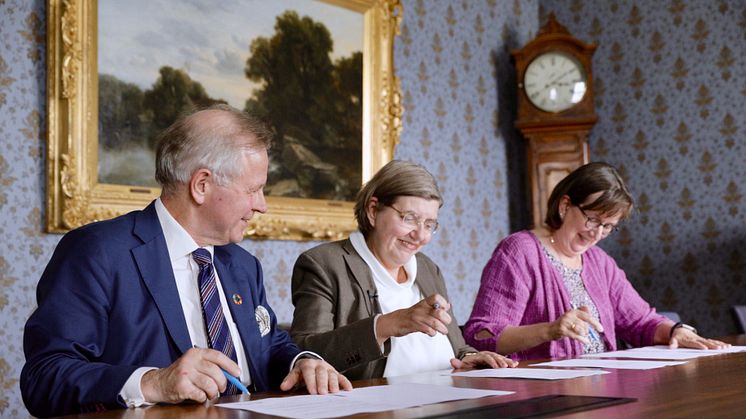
[(415, 352)]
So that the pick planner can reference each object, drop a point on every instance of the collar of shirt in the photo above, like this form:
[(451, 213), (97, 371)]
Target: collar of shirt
[(380, 275), (179, 243)]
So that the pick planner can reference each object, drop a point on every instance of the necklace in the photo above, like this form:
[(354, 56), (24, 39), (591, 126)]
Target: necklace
[(570, 261)]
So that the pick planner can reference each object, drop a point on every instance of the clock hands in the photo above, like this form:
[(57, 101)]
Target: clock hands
[(556, 81)]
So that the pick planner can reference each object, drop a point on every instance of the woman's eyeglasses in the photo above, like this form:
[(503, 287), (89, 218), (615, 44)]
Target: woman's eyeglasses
[(594, 223), (413, 220)]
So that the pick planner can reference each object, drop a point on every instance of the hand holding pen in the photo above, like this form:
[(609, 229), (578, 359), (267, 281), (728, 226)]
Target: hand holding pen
[(231, 379), (429, 316), (577, 324), (197, 375)]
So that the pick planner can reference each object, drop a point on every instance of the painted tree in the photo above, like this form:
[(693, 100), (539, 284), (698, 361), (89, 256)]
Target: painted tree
[(314, 106)]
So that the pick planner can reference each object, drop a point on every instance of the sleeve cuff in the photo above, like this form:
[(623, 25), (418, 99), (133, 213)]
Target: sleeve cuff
[(375, 322), (304, 354), (131, 393)]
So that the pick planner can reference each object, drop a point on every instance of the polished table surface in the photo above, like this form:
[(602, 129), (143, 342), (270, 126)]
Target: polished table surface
[(713, 386)]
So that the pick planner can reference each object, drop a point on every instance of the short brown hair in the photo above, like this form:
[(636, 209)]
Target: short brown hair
[(585, 181), (397, 178)]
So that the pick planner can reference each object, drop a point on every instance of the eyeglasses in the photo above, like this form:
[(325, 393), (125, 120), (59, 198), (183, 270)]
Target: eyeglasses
[(594, 223), (413, 220)]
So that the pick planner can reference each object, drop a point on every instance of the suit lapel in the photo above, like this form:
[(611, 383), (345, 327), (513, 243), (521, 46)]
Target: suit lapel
[(360, 273), (425, 282), (157, 273)]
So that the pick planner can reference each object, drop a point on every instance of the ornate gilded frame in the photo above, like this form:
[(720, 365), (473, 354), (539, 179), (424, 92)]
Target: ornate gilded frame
[(74, 196)]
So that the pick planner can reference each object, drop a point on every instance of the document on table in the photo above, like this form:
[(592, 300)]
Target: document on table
[(530, 373), (664, 352), (361, 400), (609, 363), (729, 350)]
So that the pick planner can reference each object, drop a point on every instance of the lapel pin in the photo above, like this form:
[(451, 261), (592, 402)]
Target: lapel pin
[(237, 300)]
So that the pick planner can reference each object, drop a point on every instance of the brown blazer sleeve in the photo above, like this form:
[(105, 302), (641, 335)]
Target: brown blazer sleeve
[(333, 316)]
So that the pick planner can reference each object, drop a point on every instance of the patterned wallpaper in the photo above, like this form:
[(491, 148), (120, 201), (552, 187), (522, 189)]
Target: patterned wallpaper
[(450, 57), (455, 73), (671, 83)]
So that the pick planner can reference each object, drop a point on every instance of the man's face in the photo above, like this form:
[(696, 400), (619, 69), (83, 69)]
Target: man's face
[(227, 209)]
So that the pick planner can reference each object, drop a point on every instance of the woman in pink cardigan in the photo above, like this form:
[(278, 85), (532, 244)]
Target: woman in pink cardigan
[(553, 293)]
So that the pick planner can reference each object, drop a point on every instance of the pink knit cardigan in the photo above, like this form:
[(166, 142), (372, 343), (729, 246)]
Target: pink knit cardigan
[(520, 286)]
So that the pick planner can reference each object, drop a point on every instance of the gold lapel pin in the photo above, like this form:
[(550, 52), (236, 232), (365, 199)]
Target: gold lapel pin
[(237, 300)]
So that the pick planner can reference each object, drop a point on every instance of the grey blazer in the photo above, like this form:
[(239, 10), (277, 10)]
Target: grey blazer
[(335, 302)]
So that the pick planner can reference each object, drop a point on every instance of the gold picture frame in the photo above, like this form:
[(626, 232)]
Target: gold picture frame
[(74, 195)]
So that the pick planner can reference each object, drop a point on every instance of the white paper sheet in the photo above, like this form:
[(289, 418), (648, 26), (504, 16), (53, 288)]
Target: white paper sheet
[(361, 400), (654, 353), (663, 352), (531, 373), (729, 350), (609, 363)]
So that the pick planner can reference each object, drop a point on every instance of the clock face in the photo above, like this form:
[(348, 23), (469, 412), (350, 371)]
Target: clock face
[(554, 82)]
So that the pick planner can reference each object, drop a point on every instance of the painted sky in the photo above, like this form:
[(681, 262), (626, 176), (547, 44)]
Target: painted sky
[(209, 39)]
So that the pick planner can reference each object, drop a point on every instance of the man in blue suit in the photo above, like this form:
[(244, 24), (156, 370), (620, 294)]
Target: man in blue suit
[(121, 317)]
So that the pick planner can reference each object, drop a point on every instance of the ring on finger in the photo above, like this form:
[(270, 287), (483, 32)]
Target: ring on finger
[(572, 327)]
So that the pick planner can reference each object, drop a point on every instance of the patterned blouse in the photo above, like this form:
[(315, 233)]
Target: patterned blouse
[(579, 297)]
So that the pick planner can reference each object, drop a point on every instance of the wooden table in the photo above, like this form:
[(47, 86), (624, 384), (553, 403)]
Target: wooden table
[(712, 386)]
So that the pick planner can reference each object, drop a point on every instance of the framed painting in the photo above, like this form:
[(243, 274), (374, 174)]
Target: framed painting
[(319, 72)]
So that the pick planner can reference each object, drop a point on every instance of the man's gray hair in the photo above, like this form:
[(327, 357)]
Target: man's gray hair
[(213, 138)]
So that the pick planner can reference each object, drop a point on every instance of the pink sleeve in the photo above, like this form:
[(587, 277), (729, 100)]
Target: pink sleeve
[(502, 298), (635, 320)]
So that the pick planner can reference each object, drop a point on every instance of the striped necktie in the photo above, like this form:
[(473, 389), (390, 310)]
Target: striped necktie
[(217, 328)]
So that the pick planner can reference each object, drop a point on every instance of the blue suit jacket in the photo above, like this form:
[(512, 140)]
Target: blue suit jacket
[(108, 304)]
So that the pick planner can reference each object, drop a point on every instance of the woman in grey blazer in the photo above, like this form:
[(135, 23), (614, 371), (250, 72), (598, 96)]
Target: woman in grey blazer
[(373, 305)]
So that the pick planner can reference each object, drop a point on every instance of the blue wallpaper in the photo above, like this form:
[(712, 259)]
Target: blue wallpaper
[(448, 57), (671, 87)]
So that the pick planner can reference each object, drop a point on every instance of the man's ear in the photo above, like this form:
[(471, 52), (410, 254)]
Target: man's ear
[(371, 210), (200, 184)]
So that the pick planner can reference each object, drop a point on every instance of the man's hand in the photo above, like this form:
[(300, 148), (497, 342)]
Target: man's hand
[(318, 376), (196, 375)]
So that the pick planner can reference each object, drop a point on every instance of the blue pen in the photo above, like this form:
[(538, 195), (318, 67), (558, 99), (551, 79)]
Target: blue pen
[(235, 382), (591, 330), (239, 385), (593, 333)]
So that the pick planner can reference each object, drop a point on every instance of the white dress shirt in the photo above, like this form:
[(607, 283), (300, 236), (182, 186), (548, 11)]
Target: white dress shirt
[(415, 352)]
